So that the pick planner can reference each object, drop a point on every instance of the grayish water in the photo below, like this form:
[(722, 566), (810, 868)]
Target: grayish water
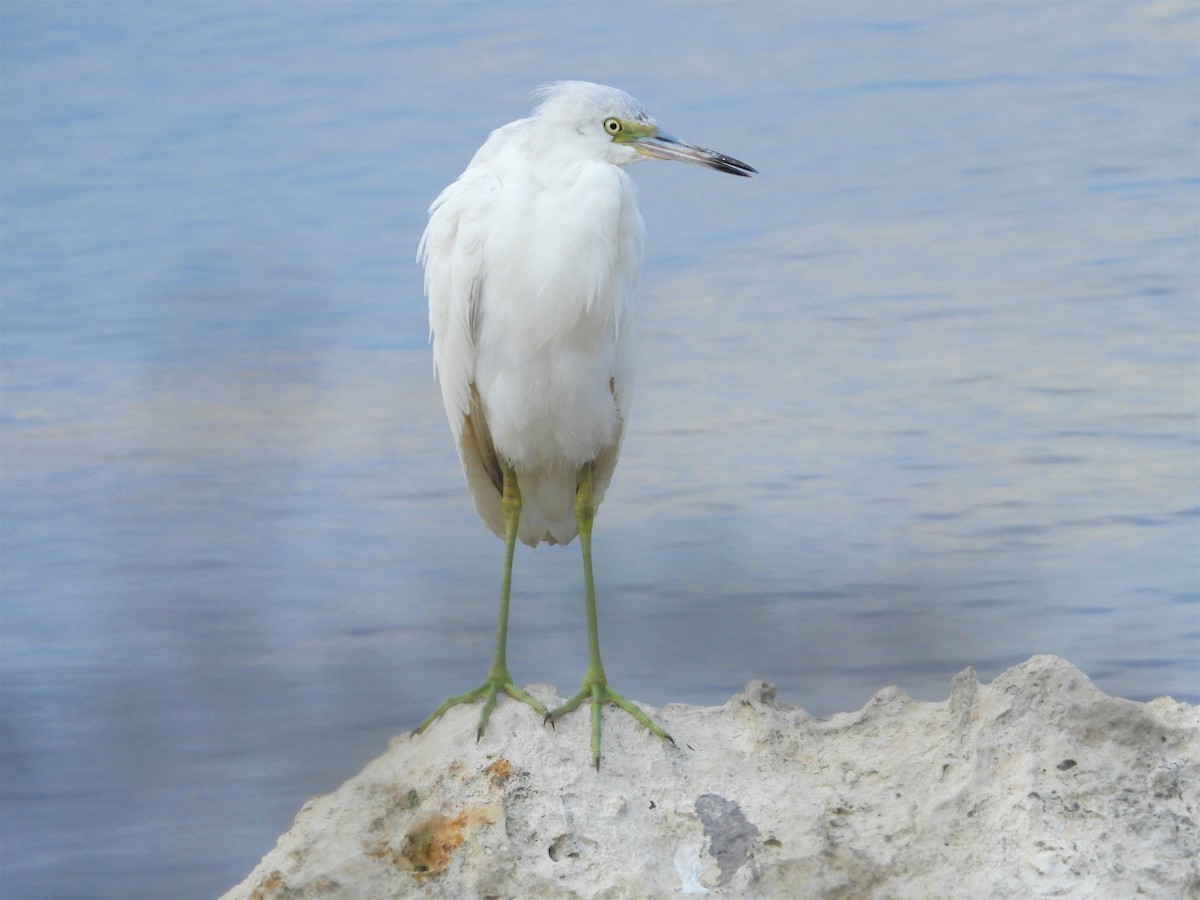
[(921, 396)]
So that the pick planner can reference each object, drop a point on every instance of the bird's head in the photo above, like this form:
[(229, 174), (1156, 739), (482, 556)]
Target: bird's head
[(616, 127)]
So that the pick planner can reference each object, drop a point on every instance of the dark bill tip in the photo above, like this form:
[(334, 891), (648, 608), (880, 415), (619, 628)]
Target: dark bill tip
[(723, 163)]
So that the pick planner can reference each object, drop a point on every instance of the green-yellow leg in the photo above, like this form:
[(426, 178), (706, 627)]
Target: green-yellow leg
[(498, 680), (595, 685)]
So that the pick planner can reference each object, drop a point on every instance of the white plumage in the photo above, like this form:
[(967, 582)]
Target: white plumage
[(532, 259)]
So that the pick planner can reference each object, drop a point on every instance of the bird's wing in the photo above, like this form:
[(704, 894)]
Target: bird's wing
[(631, 234), (451, 250)]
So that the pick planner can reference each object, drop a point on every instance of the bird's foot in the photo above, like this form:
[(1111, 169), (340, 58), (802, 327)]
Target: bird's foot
[(489, 691), (599, 693)]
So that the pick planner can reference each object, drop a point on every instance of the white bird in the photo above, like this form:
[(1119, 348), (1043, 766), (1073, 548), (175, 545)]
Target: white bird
[(532, 259)]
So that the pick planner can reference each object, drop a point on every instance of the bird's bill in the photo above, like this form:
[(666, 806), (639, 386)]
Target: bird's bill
[(661, 145)]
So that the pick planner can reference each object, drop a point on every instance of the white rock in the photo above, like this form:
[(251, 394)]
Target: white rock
[(1035, 785)]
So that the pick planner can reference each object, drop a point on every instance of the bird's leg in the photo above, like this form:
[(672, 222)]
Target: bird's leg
[(498, 680), (595, 684)]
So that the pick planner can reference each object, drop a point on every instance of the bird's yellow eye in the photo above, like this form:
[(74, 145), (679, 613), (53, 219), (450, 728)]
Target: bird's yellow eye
[(612, 126)]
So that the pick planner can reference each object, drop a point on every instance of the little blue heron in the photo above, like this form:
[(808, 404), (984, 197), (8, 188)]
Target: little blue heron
[(532, 259)]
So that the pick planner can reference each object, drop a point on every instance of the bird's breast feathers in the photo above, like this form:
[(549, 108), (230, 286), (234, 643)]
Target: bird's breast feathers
[(532, 287)]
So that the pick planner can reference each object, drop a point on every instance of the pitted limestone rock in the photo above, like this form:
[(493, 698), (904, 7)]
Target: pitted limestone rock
[(1034, 785)]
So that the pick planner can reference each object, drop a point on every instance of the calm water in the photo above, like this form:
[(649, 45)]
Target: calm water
[(922, 396)]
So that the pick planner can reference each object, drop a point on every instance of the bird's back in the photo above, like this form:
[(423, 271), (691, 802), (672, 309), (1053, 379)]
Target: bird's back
[(532, 259)]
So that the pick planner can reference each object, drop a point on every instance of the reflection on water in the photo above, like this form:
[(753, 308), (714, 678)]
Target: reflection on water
[(922, 396)]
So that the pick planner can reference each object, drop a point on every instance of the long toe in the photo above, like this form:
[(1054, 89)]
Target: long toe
[(489, 691), (597, 695)]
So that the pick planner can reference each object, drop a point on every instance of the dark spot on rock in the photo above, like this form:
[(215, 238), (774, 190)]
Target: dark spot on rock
[(730, 836), (410, 799), (564, 847), (1067, 764)]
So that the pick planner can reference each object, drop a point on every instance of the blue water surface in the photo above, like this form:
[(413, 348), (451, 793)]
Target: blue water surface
[(922, 396)]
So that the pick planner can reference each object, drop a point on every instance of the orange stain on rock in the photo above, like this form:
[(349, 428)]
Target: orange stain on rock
[(430, 841), (501, 770)]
